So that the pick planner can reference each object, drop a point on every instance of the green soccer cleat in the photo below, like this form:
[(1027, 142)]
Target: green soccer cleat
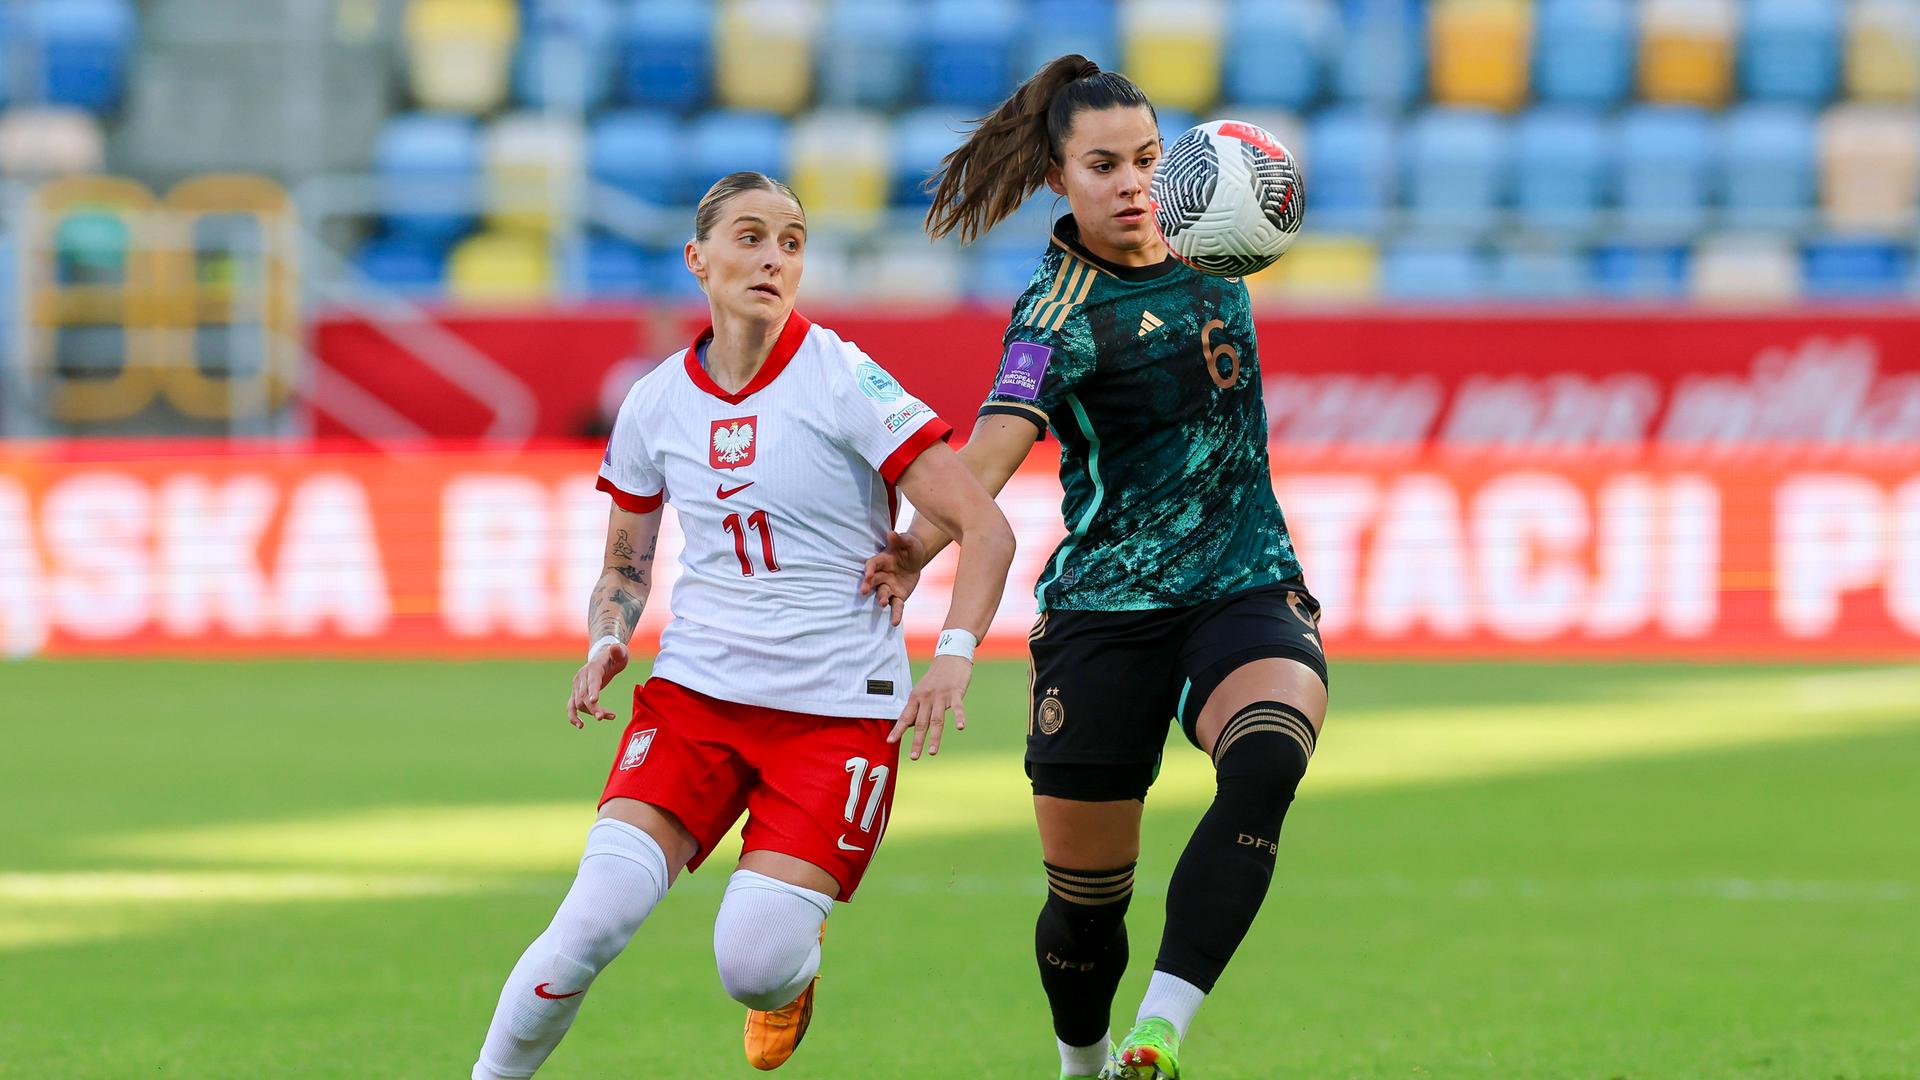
[(1151, 1051)]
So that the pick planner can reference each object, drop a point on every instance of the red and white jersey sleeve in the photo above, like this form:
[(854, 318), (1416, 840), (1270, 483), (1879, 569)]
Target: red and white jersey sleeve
[(783, 492)]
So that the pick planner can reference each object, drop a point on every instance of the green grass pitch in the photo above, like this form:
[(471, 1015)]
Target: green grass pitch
[(1499, 871)]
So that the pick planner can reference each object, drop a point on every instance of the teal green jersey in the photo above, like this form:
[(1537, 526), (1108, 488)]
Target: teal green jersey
[(1150, 377)]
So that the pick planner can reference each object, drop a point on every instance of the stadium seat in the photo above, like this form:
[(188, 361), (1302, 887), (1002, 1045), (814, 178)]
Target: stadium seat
[(459, 53), (1278, 51), (1560, 168), (1628, 271), (1767, 155), (670, 281), (1000, 267), (1456, 168), (1381, 59), (428, 167), (1789, 51), (833, 273), (907, 267), (1322, 267), (406, 265), (567, 54), (1174, 123), (1526, 272), (1686, 51), (1479, 51), (1857, 268), (921, 138), (606, 266), (721, 142), (1869, 167), (1058, 27), (666, 53), (43, 142), (1665, 158), (840, 166), (1350, 178), (80, 51), (500, 268), (1746, 269), (534, 163), (1435, 271), (865, 54), (967, 53), (1583, 52), (637, 151), (763, 55), (1171, 48), (1883, 51)]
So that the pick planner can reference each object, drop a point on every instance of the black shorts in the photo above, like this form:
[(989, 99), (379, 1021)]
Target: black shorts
[(1106, 683)]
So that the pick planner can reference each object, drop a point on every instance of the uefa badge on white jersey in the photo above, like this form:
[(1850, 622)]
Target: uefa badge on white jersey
[(637, 747), (733, 443)]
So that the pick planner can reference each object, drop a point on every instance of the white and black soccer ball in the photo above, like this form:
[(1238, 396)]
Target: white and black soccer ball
[(1228, 198)]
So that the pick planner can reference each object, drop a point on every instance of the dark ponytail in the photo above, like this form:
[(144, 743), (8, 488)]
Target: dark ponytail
[(1005, 157)]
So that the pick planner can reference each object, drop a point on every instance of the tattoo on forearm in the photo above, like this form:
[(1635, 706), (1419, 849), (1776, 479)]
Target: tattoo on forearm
[(616, 606), (622, 548), (651, 546), (632, 575)]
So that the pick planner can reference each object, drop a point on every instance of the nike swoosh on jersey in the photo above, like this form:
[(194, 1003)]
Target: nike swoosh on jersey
[(725, 492), (844, 846), (541, 991)]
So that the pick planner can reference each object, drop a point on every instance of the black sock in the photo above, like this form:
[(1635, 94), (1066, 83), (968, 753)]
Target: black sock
[(1222, 877), (1081, 944)]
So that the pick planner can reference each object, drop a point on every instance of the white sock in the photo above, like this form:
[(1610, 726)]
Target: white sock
[(622, 875), (1172, 999), (766, 939), (1084, 1060)]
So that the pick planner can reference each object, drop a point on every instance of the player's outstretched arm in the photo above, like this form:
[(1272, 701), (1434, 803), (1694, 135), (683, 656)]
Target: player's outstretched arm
[(998, 446), (626, 577), (947, 494)]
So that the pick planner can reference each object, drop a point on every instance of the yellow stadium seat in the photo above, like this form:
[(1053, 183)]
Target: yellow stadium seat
[(460, 52), (763, 55), (500, 268), (1869, 167), (840, 166), (1687, 51), (1480, 52), (533, 164), (1321, 268), (1172, 50), (1883, 51), (51, 141), (1746, 269)]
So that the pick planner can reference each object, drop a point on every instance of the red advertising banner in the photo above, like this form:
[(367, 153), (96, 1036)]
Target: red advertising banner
[(163, 548)]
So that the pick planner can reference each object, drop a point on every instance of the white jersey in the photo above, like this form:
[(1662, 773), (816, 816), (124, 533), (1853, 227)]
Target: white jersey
[(784, 491)]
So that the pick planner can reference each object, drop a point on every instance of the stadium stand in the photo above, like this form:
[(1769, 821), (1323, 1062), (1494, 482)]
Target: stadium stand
[(1584, 52), (1480, 50)]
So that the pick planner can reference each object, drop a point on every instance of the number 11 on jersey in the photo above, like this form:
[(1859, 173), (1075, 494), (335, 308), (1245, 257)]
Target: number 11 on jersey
[(758, 522)]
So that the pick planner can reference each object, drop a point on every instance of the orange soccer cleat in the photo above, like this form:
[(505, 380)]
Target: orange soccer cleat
[(772, 1037)]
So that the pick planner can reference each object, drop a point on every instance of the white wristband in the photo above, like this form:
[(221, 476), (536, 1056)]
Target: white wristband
[(594, 649), (957, 642)]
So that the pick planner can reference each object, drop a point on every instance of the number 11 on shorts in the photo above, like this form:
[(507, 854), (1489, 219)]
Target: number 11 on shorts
[(862, 775)]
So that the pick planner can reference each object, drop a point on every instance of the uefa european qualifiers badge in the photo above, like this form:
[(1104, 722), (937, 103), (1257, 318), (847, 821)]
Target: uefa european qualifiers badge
[(733, 443), (1022, 370)]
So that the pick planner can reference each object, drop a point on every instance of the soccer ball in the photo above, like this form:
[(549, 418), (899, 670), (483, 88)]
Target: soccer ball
[(1227, 198)]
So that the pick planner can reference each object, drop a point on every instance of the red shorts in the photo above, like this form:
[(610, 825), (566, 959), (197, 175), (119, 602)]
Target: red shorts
[(817, 788)]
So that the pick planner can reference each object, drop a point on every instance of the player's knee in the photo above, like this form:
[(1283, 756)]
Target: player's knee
[(766, 939), (1262, 752)]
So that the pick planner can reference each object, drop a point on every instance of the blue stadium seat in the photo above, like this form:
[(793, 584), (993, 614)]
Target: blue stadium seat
[(1002, 264), (638, 151), (667, 53), (1641, 271), (866, 53), (1768, 156), (669, 280), (1431, 270), (920, 139), (404, 264), (1583, 52), (426, 163), (81, 51), (967, 57), (722, 141), (1350, 169), (1173, 123), (1790, 50), (1857, 268), (1666, 159), (1455, 170), (611, 267), (1058, 27), (567, 52), (1552, 273), (1381, 59), (1278, 51), (1560, 158)]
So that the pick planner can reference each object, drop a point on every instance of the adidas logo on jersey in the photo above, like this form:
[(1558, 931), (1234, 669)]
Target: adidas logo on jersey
[(1149, 322)]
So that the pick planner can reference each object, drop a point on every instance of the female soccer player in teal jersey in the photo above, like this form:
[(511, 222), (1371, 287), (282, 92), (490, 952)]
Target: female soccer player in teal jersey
[(1175, 593)]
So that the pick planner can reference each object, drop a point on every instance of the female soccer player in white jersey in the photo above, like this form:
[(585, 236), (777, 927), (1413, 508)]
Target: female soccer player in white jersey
[(777, 691)]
